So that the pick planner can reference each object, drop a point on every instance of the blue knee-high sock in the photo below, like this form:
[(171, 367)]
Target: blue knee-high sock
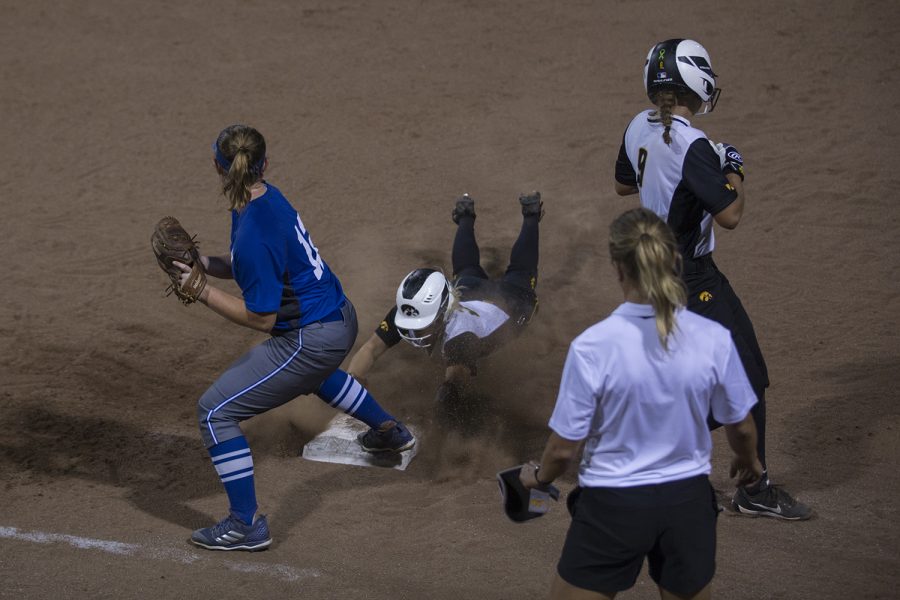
[(234, 464), (345, 393)]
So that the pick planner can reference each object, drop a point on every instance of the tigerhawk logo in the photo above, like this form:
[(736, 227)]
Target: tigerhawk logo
[(705, 296), (383, 326)]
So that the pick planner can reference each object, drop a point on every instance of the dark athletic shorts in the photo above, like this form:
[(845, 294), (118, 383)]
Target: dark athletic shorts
[(672, 524)]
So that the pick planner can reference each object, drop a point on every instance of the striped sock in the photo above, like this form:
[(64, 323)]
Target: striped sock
[(344, 393), (234, 464)]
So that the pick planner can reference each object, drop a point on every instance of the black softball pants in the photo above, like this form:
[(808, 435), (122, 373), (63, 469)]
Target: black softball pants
[(710, 294), (523, 258)]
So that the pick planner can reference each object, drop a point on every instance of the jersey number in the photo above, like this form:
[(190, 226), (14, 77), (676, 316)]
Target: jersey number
[(311, 251), (642, 162)]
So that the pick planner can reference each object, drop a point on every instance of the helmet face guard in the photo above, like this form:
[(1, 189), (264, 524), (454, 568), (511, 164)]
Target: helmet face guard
[(708, 106), (425, 338)]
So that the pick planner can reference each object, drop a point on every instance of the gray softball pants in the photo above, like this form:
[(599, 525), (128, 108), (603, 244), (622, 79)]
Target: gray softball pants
[(274, 373)]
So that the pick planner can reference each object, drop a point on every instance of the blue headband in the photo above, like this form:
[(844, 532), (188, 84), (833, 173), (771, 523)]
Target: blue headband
[(225, 164)]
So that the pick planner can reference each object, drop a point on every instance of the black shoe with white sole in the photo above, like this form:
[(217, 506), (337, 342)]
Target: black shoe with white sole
[(770, 501)]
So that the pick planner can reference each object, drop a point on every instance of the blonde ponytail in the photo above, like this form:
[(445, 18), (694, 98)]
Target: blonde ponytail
[(241, 156), (644, 247)]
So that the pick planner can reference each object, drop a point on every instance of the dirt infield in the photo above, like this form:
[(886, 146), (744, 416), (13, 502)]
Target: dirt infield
[(377, 114)]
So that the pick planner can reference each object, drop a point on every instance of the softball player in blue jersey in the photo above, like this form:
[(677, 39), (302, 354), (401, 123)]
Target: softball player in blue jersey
[(288, 292), (691, 183)]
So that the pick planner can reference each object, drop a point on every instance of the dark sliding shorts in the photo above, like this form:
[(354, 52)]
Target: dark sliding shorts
[(672, 524)]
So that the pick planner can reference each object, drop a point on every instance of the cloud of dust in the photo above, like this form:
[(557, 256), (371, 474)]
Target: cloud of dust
[(504, 420)]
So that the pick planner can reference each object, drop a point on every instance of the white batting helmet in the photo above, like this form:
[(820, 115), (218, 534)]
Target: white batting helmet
[(681, 65), (422, 300)]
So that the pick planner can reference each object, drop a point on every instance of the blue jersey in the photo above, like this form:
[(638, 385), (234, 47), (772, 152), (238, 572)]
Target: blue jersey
[(277, 266)]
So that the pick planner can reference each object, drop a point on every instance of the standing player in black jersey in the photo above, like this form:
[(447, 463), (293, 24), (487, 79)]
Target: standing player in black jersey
[(469, 317), (691, 182)]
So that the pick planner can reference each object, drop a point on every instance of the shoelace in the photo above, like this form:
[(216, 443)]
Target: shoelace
[(776, 496), (781, 496), (224, 526)]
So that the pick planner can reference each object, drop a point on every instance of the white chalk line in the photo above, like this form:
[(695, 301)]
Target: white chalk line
[(284, 572)]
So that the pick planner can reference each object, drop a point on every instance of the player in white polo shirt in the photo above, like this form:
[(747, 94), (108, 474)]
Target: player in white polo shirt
[(692, 183), (637, 388)]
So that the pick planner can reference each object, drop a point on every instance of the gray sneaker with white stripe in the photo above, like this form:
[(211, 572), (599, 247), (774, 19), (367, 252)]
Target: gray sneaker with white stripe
[(233, 534), (770, 501)]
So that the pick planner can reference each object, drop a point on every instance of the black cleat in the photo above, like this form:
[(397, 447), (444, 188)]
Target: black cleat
[(532, 205), (465, 206), (770, 501)]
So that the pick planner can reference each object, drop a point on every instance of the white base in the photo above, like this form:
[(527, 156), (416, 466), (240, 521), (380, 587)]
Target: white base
[(338, 444)]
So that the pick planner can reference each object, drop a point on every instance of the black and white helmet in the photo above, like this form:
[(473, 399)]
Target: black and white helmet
[(422, 301), (681, 65)]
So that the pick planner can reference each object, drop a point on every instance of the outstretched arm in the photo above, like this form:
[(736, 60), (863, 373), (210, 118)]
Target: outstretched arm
[(365, 358)]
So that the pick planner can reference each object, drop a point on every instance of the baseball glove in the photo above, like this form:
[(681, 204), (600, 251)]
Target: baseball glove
[(170, 242)]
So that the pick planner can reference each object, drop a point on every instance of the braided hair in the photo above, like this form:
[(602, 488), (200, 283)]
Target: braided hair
[(666, 100)]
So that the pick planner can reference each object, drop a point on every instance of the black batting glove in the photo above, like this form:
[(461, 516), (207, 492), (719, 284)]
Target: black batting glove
[(733, 161)]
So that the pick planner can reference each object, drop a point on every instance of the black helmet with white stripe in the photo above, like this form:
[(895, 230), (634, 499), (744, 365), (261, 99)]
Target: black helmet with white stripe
[(422, 300), (682, 66)]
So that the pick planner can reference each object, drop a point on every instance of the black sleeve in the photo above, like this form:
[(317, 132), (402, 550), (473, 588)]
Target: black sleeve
[(387, 331), (702, 175), (624, 171)]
